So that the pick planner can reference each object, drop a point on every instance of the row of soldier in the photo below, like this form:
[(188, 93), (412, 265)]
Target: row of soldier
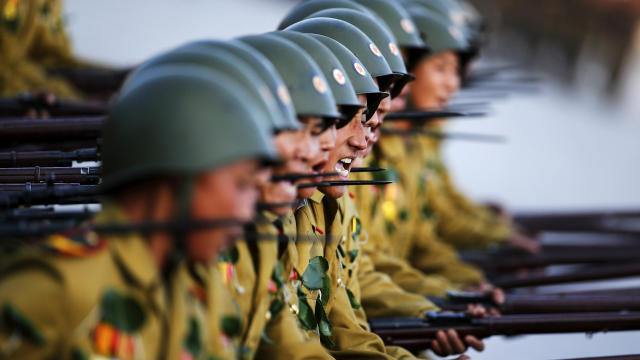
[(229, 227)]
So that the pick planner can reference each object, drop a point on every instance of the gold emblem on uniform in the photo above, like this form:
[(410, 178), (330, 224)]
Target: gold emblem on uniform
[(374, 49), (407, 26), (283, 95), (319, 84), (339, 76), (10, 10), (394, 49), (359, 68)]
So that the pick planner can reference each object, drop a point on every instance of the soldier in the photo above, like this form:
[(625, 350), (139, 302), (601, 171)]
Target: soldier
[(318, 219), (32, 38), (460, 222), (263, 290), (143, 292)]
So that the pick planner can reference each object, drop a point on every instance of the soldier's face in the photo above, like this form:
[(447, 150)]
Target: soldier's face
[(296, 148), (373, 127), (327, 141), (399, 103), (227, 192), (437, 79), (350, 140)]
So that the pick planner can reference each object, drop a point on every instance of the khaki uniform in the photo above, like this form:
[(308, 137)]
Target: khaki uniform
[(350, 335), (378, 294), (402, 224), (32, 37), (460, 222), (268, 303), (88, 296)]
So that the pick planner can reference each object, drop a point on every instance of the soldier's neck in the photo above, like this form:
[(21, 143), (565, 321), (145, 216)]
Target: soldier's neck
[(151, 204)]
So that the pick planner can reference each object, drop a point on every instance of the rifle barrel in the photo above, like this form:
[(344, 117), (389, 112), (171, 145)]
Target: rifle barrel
[(82, 175), (47, 158), (72, 127), (588, 274)]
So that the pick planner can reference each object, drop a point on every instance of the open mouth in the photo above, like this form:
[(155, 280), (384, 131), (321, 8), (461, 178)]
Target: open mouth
[(343, 166), (319, 169)]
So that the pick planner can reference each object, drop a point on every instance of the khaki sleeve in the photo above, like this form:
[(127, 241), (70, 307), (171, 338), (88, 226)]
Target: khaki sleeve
[(432, 255), (381, 297), (32, 316), (459, 228)]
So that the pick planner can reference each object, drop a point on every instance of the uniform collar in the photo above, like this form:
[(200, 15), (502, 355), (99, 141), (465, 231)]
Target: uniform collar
[(317, 197)]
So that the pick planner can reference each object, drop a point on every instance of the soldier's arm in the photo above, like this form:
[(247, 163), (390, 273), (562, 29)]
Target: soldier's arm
[(464, 231), (381, 297)]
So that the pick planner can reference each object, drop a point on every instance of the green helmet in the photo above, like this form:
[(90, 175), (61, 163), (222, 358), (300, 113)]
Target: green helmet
[(182, 121), (304, 9), (264, 68), (340, 85), (439, 34), (362, 81), (356, 41), (227, 63), (382, 38), (397, 19), (455, 13), (308, 87)]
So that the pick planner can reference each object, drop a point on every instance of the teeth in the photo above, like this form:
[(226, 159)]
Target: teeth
[(344, 173), (346, 160)]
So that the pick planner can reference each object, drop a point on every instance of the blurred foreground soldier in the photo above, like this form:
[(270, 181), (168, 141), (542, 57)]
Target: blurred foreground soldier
[(183, 151), (33, 38), (460, 222)]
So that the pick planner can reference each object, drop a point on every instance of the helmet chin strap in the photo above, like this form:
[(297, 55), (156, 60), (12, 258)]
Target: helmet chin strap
[(182, 215)]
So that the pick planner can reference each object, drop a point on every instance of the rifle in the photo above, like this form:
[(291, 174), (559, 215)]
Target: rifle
[(20, 105), (425, 116), (588, 274), (12, 196), (447, 135), (610, 292), (93, 80), (416, 334), (615, 357), (504, 259), (615, 221), (67, 128), (48, 213), (81, 175), (537, 304), (47, 158)]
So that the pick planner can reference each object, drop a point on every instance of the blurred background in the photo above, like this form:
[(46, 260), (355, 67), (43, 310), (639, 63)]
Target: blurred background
[(573, 143)]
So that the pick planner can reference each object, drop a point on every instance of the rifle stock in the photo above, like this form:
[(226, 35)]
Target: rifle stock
[(588, 274), (47, 158), (416, 334), (542, 304)]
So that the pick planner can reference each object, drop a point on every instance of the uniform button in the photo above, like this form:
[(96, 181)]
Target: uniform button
[(268, 315), (294, 309)]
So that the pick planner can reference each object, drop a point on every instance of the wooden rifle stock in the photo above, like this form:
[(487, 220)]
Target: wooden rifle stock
[(614, 221), (416, 334), (67, 128), (542, 304), (588, 274)]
